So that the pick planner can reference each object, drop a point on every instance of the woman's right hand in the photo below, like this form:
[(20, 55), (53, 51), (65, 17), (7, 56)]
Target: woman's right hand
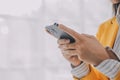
[(73, 59)]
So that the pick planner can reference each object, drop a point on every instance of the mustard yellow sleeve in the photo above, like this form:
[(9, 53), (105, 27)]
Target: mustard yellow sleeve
[(101, 30), (93, 75), (118, 76), (96, 75)]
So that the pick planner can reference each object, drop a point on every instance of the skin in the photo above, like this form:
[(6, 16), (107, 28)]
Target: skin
[(115, 1), (86, 48)]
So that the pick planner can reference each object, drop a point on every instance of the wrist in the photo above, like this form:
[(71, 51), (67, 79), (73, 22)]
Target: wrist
[(109, 67), (111, 53), (100, 59)]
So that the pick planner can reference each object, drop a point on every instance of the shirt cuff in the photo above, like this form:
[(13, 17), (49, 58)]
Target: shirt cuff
[(109, 67), (80, 71)]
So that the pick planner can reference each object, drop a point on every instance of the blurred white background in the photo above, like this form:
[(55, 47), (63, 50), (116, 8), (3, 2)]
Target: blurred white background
[(27, 52)]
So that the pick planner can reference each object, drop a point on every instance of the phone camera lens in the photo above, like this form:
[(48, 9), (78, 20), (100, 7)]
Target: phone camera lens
[(56, 24)]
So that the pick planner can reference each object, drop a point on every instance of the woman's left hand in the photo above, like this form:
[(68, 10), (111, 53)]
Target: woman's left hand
[(86, 47)]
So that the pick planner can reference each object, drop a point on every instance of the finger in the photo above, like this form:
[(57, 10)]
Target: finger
[(67, 47), (63, 41), (71, 58), (71, 32), (69, 52)]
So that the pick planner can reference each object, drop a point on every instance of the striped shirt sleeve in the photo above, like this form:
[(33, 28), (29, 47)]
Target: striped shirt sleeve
[(80, 71), (109, 67)]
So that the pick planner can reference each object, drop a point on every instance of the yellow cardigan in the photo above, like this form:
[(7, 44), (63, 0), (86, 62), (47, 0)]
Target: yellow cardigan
[(106, 35)]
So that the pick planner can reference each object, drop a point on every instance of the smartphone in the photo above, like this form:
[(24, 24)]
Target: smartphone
[(57, 33)]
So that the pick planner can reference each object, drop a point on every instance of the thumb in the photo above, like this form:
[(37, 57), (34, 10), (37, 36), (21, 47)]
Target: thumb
[(69, 31)]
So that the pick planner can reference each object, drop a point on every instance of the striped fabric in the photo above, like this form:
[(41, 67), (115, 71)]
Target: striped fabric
[(81, 70), (109, 70), (116, 47), (105, 67)]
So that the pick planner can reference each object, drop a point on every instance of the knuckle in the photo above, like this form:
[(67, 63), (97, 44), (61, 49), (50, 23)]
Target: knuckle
[(92, 36)]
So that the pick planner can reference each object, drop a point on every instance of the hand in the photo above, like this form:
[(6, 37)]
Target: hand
[(86, 47), (73, 59)]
